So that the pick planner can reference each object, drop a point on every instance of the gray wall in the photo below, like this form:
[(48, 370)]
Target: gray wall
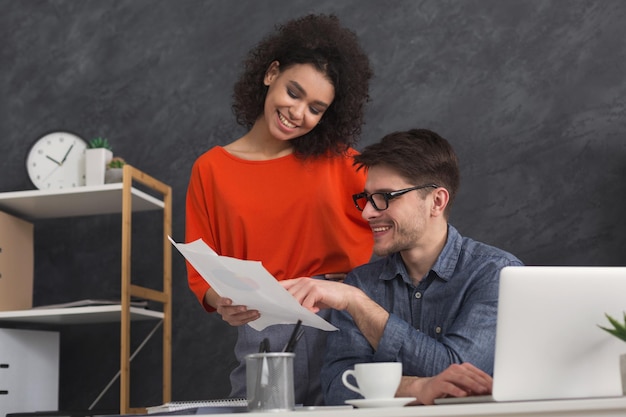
[(532, 94)]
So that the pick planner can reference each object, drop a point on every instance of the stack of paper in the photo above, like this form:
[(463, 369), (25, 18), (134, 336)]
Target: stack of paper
[(249, 283)]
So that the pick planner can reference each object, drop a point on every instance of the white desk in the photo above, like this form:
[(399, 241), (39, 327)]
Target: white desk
[(607, 407)]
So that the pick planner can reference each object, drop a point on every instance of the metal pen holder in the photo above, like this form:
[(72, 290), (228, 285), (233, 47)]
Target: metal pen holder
[(269, 379)]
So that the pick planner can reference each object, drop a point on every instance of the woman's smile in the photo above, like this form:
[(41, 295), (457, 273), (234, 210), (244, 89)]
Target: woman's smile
[(286, 122)]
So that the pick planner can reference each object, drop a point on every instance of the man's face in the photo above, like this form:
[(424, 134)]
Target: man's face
[(403, 225)]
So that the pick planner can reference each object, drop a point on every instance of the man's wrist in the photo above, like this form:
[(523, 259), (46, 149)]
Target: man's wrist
[(355, 300), (411, 386)]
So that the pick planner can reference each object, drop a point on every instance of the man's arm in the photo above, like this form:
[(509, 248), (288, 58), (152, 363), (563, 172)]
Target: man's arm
[(315, 294), (368, 316)]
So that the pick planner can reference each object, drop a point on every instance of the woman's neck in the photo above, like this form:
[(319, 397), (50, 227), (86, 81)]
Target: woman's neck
[(259, 145)]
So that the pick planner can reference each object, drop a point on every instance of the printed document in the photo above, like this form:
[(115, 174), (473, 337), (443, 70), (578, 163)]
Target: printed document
[(249, 283)]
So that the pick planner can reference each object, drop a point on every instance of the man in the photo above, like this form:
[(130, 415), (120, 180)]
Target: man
[(431, 301)]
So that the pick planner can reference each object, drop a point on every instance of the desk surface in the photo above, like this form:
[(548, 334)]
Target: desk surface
[(605, 407)]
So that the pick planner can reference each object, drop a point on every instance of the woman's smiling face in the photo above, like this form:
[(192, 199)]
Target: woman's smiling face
[(296, 99)]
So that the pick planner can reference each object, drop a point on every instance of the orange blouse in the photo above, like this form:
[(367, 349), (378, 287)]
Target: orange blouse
[(296, 217)]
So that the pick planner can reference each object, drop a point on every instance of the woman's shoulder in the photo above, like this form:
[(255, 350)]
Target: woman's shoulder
[(345, 162), (214, 158), (344, 158), (216, 153)]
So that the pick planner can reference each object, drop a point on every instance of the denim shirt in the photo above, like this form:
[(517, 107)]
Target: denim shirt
[(449, 317)]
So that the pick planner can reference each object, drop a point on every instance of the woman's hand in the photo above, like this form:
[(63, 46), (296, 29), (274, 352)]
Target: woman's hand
[(235, 315)]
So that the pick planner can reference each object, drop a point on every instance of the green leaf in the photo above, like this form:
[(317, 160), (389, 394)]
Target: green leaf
[(100, 143), (618, 330)]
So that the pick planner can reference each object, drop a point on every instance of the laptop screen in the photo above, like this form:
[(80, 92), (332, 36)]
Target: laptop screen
[(548, 343)]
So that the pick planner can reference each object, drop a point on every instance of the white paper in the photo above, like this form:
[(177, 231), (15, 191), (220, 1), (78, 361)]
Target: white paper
[(249, 283)]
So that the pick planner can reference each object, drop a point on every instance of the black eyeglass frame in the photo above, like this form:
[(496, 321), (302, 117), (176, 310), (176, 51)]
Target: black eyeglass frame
[(386, 196)]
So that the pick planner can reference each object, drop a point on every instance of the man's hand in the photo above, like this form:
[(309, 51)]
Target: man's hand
[(458, 380), (317, 294), (235, 315)]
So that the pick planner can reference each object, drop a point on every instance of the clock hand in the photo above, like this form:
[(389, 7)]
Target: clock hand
[(54, 160), (67, 153), (51, 172)]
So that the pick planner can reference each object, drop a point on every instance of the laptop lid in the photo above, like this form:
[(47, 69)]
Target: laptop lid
[(548, 343)]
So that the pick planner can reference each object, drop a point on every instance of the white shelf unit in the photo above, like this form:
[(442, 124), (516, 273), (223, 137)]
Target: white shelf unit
[(78, 315), (72, 202), (122, 198)]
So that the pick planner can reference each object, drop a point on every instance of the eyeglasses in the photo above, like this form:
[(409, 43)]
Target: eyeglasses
[(380, 201)]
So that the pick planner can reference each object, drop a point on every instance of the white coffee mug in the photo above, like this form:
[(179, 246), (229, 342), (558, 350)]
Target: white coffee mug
[(376, 380)]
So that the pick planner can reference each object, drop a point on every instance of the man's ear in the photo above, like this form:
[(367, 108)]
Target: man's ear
[(272, 72), (441, 198)]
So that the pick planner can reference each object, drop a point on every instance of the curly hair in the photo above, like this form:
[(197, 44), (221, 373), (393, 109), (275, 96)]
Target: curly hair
[(321, 41)]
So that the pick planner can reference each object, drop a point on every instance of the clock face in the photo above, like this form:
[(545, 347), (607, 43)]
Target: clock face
[(56, 161)]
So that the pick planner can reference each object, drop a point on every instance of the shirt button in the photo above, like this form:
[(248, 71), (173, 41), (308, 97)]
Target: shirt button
[(437, 329), (418, 295)]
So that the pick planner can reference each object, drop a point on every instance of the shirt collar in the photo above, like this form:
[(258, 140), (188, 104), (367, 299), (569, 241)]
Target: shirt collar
[(446, 262)]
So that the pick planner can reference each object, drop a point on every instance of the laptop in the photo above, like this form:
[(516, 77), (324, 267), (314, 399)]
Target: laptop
[(548, 343)]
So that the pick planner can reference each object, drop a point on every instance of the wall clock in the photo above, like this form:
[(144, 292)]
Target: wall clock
[(57, 160)]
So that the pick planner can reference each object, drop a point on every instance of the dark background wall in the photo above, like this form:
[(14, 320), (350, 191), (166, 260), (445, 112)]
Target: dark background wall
[(532, 94)]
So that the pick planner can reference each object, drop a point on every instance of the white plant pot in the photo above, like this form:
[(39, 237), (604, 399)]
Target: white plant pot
[(622, 367), (96, 160)]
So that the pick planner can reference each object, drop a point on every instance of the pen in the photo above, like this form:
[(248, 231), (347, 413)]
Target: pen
[(264, 346), (296, 334)]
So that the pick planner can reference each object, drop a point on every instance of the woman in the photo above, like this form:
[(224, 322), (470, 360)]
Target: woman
[(280, 194)]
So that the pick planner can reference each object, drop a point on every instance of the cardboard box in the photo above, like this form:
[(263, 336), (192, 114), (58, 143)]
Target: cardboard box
[(16, 263)]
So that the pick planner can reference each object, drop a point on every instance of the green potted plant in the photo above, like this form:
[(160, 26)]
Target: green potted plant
[(115, 169), (97, 155), (97, 143), (618, 330)]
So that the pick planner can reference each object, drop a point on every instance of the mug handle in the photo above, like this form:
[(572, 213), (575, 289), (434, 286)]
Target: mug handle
[(344, 379)]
